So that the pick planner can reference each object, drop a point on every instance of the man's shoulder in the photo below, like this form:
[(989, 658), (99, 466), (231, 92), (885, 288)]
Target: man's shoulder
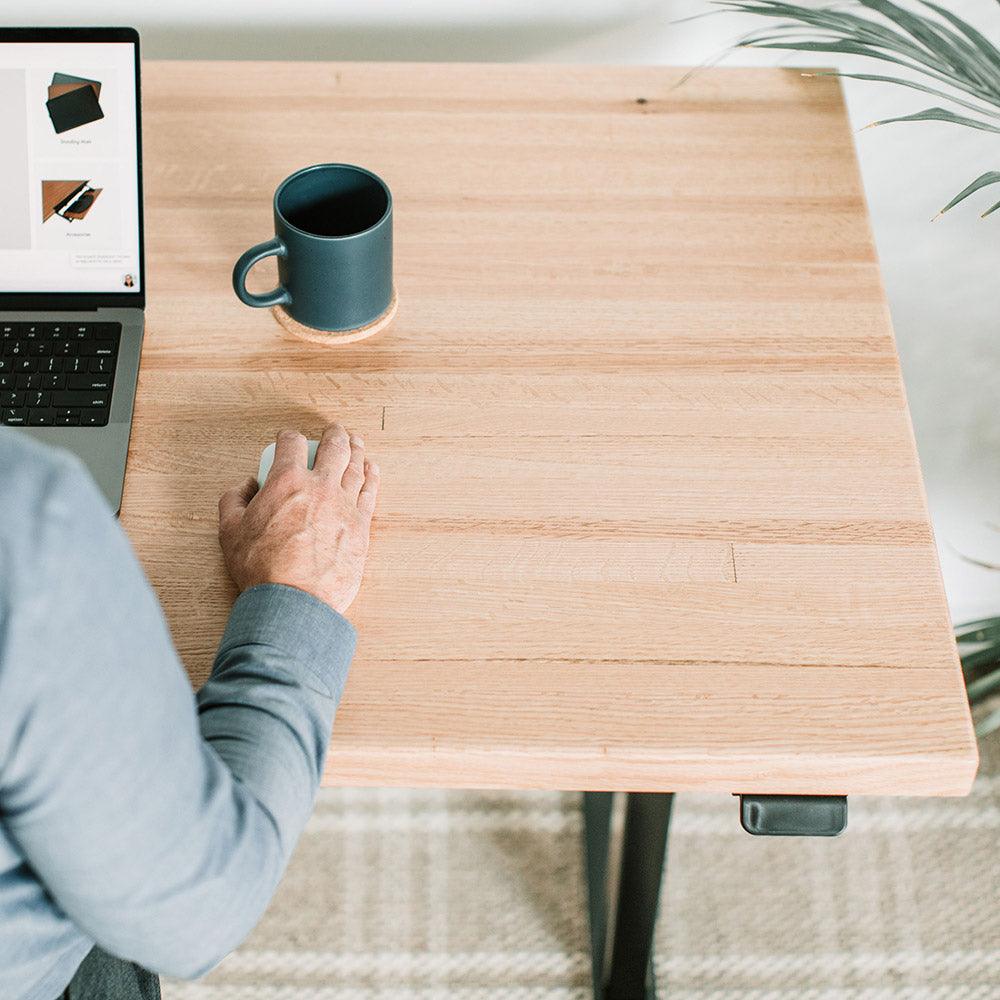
[(34, 478)]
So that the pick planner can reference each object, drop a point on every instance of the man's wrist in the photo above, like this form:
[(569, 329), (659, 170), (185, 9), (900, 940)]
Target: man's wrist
[(313, 639), (277, 581)]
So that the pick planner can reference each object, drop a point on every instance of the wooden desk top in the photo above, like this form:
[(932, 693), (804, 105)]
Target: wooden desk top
[(651, 513)]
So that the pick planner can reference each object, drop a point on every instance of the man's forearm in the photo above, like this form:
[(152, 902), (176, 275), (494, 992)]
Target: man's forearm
[(268, 707), (161, 834)]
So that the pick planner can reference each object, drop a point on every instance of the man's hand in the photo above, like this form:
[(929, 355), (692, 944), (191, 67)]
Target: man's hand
[(306, 529)]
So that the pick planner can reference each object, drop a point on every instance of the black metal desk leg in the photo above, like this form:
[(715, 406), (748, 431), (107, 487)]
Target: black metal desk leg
[(644, 852), (629, 976), (597, 842)]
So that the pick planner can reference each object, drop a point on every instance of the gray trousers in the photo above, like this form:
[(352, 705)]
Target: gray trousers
[(103, 977)]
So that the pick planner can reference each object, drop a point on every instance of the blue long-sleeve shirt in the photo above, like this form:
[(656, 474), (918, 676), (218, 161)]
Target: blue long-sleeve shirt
[(134, 814)]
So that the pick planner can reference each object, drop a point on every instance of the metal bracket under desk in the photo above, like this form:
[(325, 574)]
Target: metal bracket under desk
[(629, 905)]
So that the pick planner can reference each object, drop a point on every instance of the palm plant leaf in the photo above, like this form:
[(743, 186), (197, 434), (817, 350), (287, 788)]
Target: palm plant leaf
[(981, 667), (970, 58), (981, 45), (913, 85), (980, 663), (983, 180), (976, 632), (942, 42), (988, 725), (841, 47), (960, 65), (983, 686), (938, 115), (950, 59)]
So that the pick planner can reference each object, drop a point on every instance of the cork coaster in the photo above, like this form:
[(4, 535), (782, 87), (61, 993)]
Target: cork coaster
[(333, 338)]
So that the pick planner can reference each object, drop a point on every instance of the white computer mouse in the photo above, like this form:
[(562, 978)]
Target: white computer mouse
[(267, 460)]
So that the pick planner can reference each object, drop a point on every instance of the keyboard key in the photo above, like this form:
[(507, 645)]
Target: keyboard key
[(94, 418), (6, 365), (55, 331), (25, 364), (51, 365), (41, 418), (29, 381), (69, 421), (31, 331), (11, 397), (105, 349), (7, 381), (95, 383), (15, 348), (39, 398), (41, 348), (14, 418), (101, 365), (74, 366), (55, 381), (81, 399), (67, 413), (80, 331)]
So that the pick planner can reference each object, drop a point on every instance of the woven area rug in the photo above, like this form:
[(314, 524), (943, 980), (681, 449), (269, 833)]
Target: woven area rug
[(473, 895)]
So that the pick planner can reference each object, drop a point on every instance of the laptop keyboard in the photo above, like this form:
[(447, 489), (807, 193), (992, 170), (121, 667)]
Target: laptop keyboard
[(57, 374)]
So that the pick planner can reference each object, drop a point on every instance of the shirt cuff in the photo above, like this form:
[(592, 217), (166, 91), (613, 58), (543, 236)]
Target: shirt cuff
[(304, 629)]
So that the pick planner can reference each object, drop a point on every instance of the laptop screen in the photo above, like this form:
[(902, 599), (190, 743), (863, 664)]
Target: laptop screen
[(69, 167)]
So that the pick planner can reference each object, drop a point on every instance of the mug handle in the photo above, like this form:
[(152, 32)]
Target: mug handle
[(279, 295)]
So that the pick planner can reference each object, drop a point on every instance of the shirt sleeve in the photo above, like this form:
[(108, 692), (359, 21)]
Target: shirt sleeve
[(159, 822)]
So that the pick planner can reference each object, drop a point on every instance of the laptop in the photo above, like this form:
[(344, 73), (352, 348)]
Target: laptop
[(72, 277)]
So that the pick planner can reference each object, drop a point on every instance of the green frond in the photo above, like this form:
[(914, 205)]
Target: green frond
[(959, 64), (979, 42), (983, 180), (945, 47), (982, 667), (913, 85), (938, 115), (984, 686), (983, 630)]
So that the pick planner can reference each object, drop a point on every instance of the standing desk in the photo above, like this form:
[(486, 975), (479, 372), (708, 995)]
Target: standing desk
[(651, 518)]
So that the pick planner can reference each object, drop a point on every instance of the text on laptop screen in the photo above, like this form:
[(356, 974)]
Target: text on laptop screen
[(69, 192)]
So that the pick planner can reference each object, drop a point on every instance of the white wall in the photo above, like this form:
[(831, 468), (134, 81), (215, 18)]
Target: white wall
[(943, 280)]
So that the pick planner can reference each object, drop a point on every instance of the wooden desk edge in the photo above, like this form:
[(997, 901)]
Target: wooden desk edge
[(949, 774)]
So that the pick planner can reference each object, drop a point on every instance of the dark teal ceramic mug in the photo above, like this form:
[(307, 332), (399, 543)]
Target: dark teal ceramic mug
[(333, 241)]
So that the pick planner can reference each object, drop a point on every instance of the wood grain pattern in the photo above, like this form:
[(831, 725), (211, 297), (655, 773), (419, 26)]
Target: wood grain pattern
[(651, 516), (53, 192), (58, 89)]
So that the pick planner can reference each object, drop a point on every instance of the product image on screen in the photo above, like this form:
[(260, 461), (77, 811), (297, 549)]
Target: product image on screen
[(67, 199), (69, 167), (73, 101)]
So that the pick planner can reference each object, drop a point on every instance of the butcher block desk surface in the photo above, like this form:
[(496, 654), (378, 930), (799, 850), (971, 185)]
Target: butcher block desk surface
[(651, 513)]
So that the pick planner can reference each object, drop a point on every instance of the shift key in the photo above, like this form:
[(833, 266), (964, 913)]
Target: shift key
[(92, 383), (80, 399)]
